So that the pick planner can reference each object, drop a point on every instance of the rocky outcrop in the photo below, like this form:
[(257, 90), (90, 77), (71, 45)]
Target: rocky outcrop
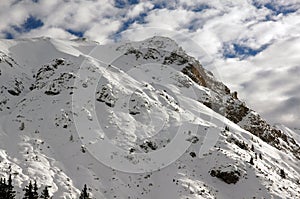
[(275, 137), (229, 174), (226, 103)]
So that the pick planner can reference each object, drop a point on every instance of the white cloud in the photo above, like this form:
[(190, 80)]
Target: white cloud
[(269, 81), (139, 8), (100, 31), (215, 24), (169, 19), (12, 15), (49, 32)]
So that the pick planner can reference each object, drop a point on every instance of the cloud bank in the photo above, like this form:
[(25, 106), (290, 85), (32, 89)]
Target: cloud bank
[(251, 45)]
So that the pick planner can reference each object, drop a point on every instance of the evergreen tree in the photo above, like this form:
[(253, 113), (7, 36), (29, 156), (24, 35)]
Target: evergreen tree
[(252, 148), (6, 190), (28, 191), (45, 193), (2, 188), (84, 194), (35, 191), (11, 194)]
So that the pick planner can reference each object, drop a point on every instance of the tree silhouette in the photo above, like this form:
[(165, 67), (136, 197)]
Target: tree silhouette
[(28, 191), (84, 194), (45, 193), (10, 189), (35, 191), (7, 190), (1, 187)]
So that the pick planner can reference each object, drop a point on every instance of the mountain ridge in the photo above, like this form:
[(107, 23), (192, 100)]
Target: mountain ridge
[(146, 91)]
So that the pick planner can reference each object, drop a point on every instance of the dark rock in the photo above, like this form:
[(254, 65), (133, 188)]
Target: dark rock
[(50, 92), (193, 139), (230, 177), (14, 92), (192, 154)]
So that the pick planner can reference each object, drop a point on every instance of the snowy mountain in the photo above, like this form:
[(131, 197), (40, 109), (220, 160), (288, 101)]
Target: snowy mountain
[(134, 120)]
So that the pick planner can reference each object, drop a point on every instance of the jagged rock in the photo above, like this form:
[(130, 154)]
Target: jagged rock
[(148, 145), (237, 111), (175, 58), (135, 52), (229, 174), (237, 142), (138, 103), (260, 128), (107, 95), (7, 59), (193, 139)]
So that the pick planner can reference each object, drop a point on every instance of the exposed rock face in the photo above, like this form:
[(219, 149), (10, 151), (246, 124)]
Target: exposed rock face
[(7, 59), (194, 74), (106, 95), (221, 100), (230, 174), (17, 88), (237, 142), (228, 104), (49, 79), (275, 137)]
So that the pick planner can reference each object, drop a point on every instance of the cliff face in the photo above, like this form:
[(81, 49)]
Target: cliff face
[(227, 104), (222, 100)]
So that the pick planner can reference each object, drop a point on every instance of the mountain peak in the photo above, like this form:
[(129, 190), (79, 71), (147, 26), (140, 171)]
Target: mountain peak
[(134, 120)]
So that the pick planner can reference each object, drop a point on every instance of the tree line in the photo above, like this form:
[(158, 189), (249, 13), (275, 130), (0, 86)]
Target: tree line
[(31, 191)]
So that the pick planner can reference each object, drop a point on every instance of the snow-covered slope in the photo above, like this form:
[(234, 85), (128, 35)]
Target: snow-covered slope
[(134, 120)]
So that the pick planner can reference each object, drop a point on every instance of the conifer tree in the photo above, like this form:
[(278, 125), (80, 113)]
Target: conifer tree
[(45, 193), (28, 191), (84, 194), (2, 188), (11, 194), (35, 191), (7, 190)]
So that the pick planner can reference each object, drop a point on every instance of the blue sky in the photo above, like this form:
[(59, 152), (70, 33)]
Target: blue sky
[(243, 38), (83, 18)]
